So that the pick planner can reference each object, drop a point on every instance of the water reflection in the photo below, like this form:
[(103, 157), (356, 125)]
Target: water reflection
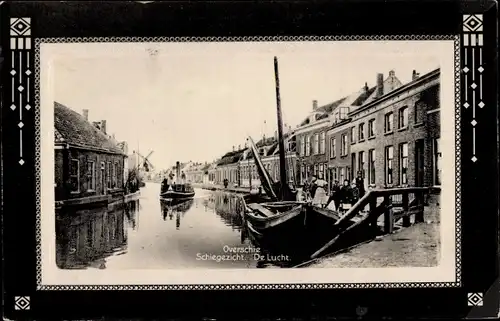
[(177, 208), (86, 237), (112, 238), (229, 207)]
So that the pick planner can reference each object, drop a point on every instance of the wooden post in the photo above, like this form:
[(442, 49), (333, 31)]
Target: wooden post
[(373, 207), (388, 215), (419, 218), (406, 218)]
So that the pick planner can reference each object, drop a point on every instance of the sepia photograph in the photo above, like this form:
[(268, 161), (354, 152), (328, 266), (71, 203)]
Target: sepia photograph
[(173, 159), (225, 156)]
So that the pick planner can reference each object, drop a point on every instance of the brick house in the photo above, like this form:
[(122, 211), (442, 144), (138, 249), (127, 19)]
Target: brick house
[(313, 143), (311, 140), (228, 168), (89, 166), (396, 134), (338, 152)]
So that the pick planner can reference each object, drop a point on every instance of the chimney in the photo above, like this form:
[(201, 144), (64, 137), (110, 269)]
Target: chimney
[(86, 113), (380, 85), (233, 148), (103, 126), (315, 104), (414, 75), (392, 73), (178, 169), (239, 147), (366, 87)]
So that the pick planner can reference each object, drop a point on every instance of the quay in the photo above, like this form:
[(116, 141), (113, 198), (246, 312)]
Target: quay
[(417, 246), (218, 187)]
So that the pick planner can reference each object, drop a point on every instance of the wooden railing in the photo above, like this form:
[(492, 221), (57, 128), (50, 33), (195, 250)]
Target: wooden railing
[(380, 201)]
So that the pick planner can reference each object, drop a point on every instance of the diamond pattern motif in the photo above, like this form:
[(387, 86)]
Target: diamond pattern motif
[(480, 69), (473, 86), (465, 69), (28, 107), (21, 162), (473, 122), (13, 72), (13, 107), (475, 299), (481, 104), (466, 105), (21, 125), (474, 159), (20, 88), (22, 302), (28, 72)]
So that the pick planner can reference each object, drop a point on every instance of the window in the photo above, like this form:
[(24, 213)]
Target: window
[(352, 135), (419, 112), (322, 143), (389, 156), (343, 112), (362, 161), (343, 148), (403, 163), (321, 171), (437, 161), (103, 177), (114, 176), (316, 144), (74, 176), (336, 117), (108, 175), (90, 176), (371, 167), (371, 128), (325, 171), (348, 173), (403, 117), (302, 146), (353, 162), (334, 174), (361, 131), (308, 145), (333, 146), (316, 170), (389, 118)]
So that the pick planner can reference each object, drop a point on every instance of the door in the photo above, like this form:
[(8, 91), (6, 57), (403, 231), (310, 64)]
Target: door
[(419, 163)]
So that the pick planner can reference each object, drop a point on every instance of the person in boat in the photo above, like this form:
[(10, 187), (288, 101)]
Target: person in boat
[(360, 184), (164, 184)]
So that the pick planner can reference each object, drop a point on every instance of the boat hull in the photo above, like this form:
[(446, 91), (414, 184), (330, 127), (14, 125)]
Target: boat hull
[(298, 231), (173, 195)]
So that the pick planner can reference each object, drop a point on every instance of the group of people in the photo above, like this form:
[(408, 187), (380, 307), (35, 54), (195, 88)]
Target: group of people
[(343, 197), (170, 180)]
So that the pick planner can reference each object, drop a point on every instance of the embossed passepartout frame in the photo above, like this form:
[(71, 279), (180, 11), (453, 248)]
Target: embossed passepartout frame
[(458, 110)]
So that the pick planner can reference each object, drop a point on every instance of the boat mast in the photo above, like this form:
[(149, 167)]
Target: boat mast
[(281, 143)]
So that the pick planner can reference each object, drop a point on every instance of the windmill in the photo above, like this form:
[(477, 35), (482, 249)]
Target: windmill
[(144, 162)]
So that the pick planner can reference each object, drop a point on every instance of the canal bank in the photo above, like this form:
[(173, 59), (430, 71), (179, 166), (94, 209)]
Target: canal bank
[(216, 187), (414, 246)]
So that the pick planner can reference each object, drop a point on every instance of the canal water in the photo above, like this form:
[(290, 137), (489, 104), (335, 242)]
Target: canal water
[(150, 234)]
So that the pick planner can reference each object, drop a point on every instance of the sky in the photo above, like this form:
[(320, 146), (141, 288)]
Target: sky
[(195, 101)]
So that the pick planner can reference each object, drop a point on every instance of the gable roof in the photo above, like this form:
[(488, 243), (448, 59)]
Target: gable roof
[(72, 128)]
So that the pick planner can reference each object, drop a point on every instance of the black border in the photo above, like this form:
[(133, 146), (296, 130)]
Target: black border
[(129, 19)]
